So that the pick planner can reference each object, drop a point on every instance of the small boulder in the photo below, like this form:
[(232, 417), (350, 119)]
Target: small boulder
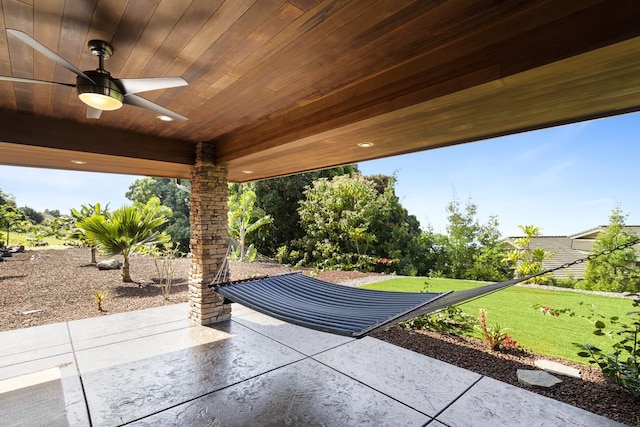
[(109, 264), (534, 378), (557, 368)]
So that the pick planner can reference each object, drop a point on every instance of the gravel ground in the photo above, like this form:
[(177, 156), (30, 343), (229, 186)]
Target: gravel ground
[(48, 286)]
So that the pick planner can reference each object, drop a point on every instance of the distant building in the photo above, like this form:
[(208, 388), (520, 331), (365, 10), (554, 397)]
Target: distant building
[(570, 248)]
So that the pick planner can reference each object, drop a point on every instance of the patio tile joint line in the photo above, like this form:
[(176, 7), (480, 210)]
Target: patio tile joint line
[(385, 394), (288, 346), (75, 359), (457, 398)]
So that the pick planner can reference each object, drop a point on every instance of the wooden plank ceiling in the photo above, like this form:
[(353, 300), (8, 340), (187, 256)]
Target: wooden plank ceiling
[(284, 86)]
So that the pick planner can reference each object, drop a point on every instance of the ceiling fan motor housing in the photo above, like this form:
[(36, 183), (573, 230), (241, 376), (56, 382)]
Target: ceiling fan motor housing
[(104, 85)]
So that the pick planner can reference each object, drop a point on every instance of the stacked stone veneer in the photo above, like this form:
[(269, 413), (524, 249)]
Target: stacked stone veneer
[(209, 237)]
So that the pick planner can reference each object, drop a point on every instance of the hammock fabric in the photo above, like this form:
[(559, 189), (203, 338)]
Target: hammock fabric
[(353, 312), (338, 309)]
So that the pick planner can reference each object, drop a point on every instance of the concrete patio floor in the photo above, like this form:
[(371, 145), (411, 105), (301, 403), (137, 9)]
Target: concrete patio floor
[(155, 368)]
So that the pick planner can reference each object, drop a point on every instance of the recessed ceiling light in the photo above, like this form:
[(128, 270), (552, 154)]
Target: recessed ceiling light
[(165, 118), (247, 171), (365, 144), (78, 162)]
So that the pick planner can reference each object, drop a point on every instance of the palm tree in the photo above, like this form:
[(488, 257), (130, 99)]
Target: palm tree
[(78, 233), (528, 261), (125, 230)]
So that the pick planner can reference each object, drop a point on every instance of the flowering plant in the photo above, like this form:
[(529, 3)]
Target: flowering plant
[(494, 336), (384, 264), (555, 312)]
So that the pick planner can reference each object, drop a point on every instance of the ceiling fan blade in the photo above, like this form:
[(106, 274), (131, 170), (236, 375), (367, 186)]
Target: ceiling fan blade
[(152, 106), (93, 113), (132, 86), (26, 38), (44, 82)]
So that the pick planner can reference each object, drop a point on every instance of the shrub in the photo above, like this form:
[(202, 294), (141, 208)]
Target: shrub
[(249, 256), (623, 365), (163, 257), (569, 282), (451, 320)]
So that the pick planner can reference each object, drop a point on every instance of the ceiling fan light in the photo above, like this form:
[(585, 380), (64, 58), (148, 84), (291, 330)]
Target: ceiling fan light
[(100, 101), (103, 95)]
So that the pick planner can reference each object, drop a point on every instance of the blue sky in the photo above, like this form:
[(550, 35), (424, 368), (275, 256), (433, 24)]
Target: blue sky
[(565, 179)]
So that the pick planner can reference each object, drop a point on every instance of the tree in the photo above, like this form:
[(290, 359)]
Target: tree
[(126, 229), (487, 261), (279, 198), (462, 244), (53, 212), (33, 215), (472, 250), (617, 271), (396, 231), (78, 233), (527, 260), (174, 196), (6, 199), (245, 217), (336, 216), (10, 216), (58, 226)]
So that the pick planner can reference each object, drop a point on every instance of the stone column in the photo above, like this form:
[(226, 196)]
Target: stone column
[(209, 236)]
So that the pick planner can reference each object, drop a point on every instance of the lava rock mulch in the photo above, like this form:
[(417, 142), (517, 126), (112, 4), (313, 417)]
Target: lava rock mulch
[(47, 286)]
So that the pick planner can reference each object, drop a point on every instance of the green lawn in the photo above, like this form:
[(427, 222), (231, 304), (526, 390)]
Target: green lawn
[(512, 309), (21, 239)]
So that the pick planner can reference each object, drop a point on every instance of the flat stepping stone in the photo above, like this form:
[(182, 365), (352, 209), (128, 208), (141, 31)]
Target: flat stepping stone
[(535, 378), (557, 368)]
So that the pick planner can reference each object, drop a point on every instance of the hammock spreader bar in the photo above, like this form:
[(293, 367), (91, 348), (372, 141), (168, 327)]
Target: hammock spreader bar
[(349, 311)]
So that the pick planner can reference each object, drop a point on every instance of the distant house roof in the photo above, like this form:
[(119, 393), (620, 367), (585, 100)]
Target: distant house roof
[(570, 248)]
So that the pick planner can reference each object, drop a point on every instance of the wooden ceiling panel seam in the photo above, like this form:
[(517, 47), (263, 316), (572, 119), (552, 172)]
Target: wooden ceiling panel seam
[(265, 31), (219, 24), (337, 44), (263, 77), (191, 21), (73, 34), (224, 46), (21, 55), (159, 27), (104, 24), (196, 15), (43, 68), (273, 46), (129, 33)]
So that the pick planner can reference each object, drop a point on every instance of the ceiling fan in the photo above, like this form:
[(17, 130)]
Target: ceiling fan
[(96, 88)]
